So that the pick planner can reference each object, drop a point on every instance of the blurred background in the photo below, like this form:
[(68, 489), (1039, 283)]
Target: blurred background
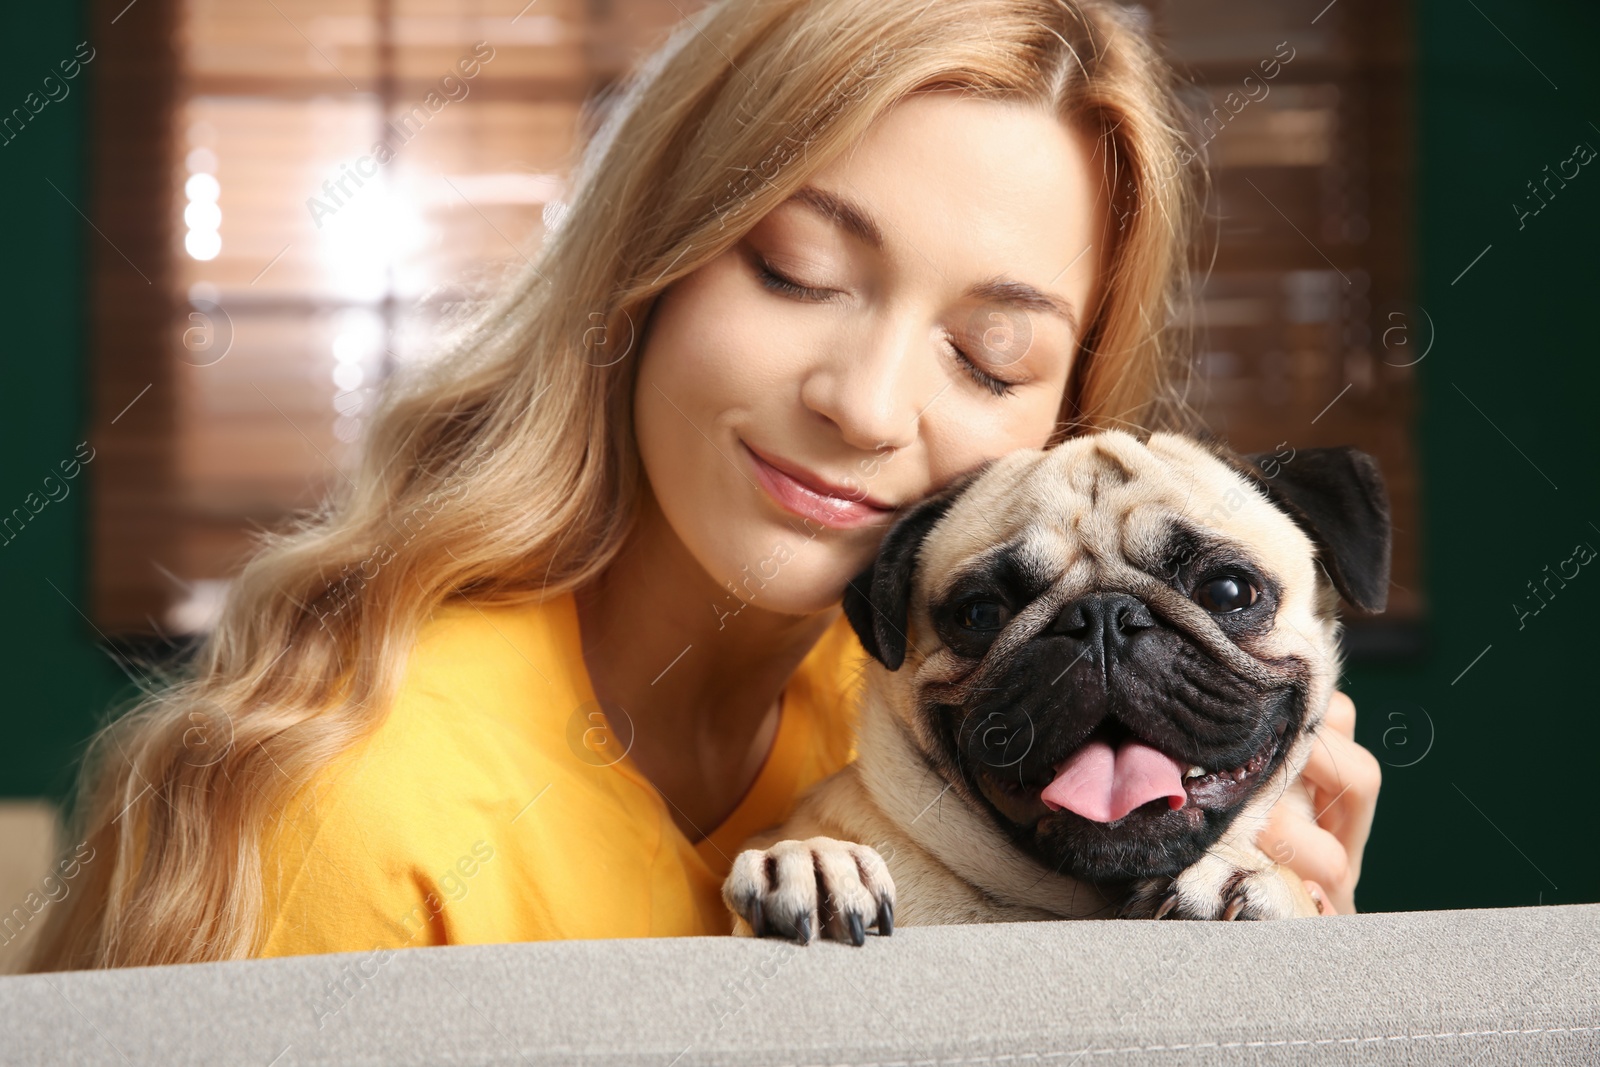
[(211, 263)]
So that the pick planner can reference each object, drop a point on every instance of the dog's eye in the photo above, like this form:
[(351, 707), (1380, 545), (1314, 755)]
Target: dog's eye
[(982, 615), (1225, 593)]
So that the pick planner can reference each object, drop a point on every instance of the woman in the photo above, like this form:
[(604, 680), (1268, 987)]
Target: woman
[(575, 632)]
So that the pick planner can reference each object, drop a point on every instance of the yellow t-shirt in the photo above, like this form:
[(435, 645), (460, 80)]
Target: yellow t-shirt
[(488, 807)]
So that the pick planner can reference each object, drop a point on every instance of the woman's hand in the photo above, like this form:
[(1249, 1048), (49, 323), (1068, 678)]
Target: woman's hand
[(1342, 779)]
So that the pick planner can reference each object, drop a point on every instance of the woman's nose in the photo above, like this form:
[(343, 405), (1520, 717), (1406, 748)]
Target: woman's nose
[(875, 389)]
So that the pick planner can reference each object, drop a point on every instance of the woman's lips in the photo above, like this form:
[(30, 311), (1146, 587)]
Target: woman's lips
[(795, 496)]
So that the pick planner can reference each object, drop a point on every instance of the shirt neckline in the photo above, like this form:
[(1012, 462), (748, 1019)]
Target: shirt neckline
[(769, 791)]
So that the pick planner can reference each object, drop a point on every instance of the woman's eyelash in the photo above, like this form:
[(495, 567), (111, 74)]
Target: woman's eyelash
[(995, 385), (771, 279), (779, 284)]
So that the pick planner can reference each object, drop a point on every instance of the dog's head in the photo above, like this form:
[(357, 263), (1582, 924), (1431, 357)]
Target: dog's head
[(1111, 646)]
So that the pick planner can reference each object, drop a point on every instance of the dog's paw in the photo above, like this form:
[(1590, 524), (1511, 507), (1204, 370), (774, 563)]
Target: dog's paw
[(838, 888), (1217, 889)]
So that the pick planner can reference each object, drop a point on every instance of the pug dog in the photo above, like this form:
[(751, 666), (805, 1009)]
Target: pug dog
[(1094, 670)]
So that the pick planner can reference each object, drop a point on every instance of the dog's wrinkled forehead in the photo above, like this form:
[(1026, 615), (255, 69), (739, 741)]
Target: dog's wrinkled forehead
[(1095, 506)]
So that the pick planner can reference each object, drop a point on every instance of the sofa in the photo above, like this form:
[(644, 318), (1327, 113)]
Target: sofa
[(1483, 988)]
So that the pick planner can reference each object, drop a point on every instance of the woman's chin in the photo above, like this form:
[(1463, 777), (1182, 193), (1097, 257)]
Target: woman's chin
[(788, 576)]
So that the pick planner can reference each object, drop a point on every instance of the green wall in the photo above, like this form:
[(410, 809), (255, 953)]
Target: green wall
[(56, 679), (1497, 810)]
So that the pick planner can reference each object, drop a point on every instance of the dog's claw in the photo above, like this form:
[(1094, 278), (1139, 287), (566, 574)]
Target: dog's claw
[(818, 888), (1237, 893)]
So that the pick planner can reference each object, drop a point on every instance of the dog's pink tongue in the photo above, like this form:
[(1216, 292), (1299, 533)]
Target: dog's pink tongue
[(1104, 784)]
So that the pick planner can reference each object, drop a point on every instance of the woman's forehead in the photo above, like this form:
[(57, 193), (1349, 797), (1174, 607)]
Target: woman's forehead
[(973, 191)]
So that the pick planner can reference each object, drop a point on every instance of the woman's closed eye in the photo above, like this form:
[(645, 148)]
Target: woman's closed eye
[(779, 283), (997, 386)]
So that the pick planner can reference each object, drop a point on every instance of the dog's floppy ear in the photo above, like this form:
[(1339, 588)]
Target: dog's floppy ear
[(1337, 496), (878, 600)]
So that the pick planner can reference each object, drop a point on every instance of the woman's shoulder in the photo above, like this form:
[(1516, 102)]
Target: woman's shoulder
[(490, 685), (477, 729), (486, 695), (500, 650)]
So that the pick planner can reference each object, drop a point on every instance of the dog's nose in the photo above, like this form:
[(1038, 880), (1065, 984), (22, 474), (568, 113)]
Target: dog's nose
[(1108, 619)]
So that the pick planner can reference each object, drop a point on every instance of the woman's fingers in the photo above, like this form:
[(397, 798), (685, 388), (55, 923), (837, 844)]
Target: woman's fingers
[(1341, 715), (1343, 780), (1319, 897), (1312, 853)]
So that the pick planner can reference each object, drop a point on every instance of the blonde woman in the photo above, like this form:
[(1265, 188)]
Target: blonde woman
[(575, 632)]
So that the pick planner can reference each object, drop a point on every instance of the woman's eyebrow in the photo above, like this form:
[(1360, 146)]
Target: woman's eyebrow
[(838, 210), (1009, 292), (996, 290)]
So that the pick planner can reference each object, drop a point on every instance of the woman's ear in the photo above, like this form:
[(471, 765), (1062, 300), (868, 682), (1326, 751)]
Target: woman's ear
[(1337, 496), (878, 600)]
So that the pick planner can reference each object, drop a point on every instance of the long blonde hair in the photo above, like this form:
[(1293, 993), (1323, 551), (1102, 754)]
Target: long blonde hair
[(526, 420)]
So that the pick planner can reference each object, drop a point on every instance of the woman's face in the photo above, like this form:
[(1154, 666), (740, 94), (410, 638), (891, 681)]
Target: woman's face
[(911, 314)]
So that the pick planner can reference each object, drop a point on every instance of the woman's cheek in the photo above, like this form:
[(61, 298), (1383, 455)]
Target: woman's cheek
[(719, 366)]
